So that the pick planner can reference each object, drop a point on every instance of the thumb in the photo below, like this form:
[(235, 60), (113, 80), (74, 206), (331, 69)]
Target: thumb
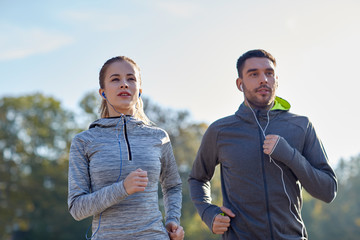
[(227, 211)]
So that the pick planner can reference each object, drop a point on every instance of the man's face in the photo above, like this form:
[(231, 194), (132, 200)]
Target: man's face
[(258, 82)]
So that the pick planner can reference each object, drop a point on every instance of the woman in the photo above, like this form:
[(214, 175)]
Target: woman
[(115, 166)]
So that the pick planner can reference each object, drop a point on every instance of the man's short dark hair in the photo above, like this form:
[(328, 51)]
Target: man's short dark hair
[(250, 54)]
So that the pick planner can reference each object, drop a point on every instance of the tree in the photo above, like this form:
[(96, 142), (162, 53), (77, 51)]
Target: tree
[(341, 218), (35, 134)]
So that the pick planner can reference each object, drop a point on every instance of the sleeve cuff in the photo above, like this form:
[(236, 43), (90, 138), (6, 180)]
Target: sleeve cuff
[(209, 215)]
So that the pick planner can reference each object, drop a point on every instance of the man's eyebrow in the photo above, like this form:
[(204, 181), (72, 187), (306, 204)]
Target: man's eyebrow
[(251, 70), (256, 69)]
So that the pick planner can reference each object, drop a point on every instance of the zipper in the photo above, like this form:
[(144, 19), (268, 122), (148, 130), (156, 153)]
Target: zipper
[(127, 141), (264, 178)]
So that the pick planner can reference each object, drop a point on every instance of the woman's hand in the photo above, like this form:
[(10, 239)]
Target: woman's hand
[(175, 232), (136, 181)]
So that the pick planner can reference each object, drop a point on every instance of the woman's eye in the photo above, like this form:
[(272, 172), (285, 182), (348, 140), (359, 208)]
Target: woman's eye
[(114, 79)]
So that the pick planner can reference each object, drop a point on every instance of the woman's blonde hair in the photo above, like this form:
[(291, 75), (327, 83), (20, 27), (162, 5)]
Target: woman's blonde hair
[(104, 111)]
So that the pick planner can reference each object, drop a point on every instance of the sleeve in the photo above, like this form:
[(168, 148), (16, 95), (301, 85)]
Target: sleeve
[(171, 184), (82, 202), (202, 172), (311, 166)]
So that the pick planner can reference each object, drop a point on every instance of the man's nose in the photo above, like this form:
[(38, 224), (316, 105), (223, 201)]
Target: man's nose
[(263, 79)]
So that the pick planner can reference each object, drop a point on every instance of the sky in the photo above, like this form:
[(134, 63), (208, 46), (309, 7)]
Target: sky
[(187, 51)]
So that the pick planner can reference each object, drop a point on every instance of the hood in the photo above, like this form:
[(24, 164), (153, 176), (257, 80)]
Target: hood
[(281, 104), (245, 113), (115, 121)]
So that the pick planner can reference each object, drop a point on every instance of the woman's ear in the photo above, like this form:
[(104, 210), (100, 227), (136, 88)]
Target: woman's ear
[(102, 93)]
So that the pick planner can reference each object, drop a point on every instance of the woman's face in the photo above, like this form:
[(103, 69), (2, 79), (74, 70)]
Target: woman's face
[(121, 88)]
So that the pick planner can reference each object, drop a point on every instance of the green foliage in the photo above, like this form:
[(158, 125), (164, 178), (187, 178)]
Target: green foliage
[(341, 218), (35, 133)]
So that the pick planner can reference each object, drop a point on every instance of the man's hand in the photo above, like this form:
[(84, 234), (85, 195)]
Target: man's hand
[(175, 232), (136, 181), (221, 223), (269, 143)]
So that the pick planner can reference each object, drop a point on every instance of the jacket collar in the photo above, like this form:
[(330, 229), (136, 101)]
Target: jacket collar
[(116, 122), (281, 104), (245, 112)]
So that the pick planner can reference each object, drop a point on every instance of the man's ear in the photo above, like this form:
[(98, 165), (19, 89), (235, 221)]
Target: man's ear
[(238, 84)]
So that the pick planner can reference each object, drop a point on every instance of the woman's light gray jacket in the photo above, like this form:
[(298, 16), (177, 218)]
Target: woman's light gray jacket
[(101, 158)]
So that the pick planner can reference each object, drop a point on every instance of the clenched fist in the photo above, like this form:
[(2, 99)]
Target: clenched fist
[(136, 181)]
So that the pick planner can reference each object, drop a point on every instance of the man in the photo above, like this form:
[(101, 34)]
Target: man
[(267, 155)]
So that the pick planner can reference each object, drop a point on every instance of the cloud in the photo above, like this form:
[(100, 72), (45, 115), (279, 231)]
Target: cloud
[(17, 43)]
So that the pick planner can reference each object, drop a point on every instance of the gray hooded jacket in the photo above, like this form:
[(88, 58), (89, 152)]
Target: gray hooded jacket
[(101, 158), (252, 185)]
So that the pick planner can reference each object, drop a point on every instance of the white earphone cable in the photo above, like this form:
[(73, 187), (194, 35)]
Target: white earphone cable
[(282, 172)]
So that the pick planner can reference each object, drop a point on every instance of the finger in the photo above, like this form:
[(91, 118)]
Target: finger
[(141, 179), (174, 228), (139, 189), (177, 234), (271, 136), (227, 211), (141, 184), (222, 219), (139, 172), (142, 174), (180, 230), (171, 226), (180, 233), (220, 230)]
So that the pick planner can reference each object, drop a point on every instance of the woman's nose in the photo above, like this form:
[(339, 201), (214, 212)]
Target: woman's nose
[(123, 84)]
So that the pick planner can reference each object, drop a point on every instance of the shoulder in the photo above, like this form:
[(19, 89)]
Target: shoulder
[(85, 136), (155, 132), (219, 126), (295, 119), (224, 122)]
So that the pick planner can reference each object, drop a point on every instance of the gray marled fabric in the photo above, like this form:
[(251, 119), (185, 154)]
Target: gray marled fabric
[(94, 168)]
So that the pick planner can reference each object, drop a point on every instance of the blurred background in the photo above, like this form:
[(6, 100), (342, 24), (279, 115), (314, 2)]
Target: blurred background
[(51, 53)]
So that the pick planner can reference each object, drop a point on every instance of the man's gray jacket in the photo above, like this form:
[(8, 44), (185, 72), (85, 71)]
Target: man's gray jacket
[(253, 186)]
